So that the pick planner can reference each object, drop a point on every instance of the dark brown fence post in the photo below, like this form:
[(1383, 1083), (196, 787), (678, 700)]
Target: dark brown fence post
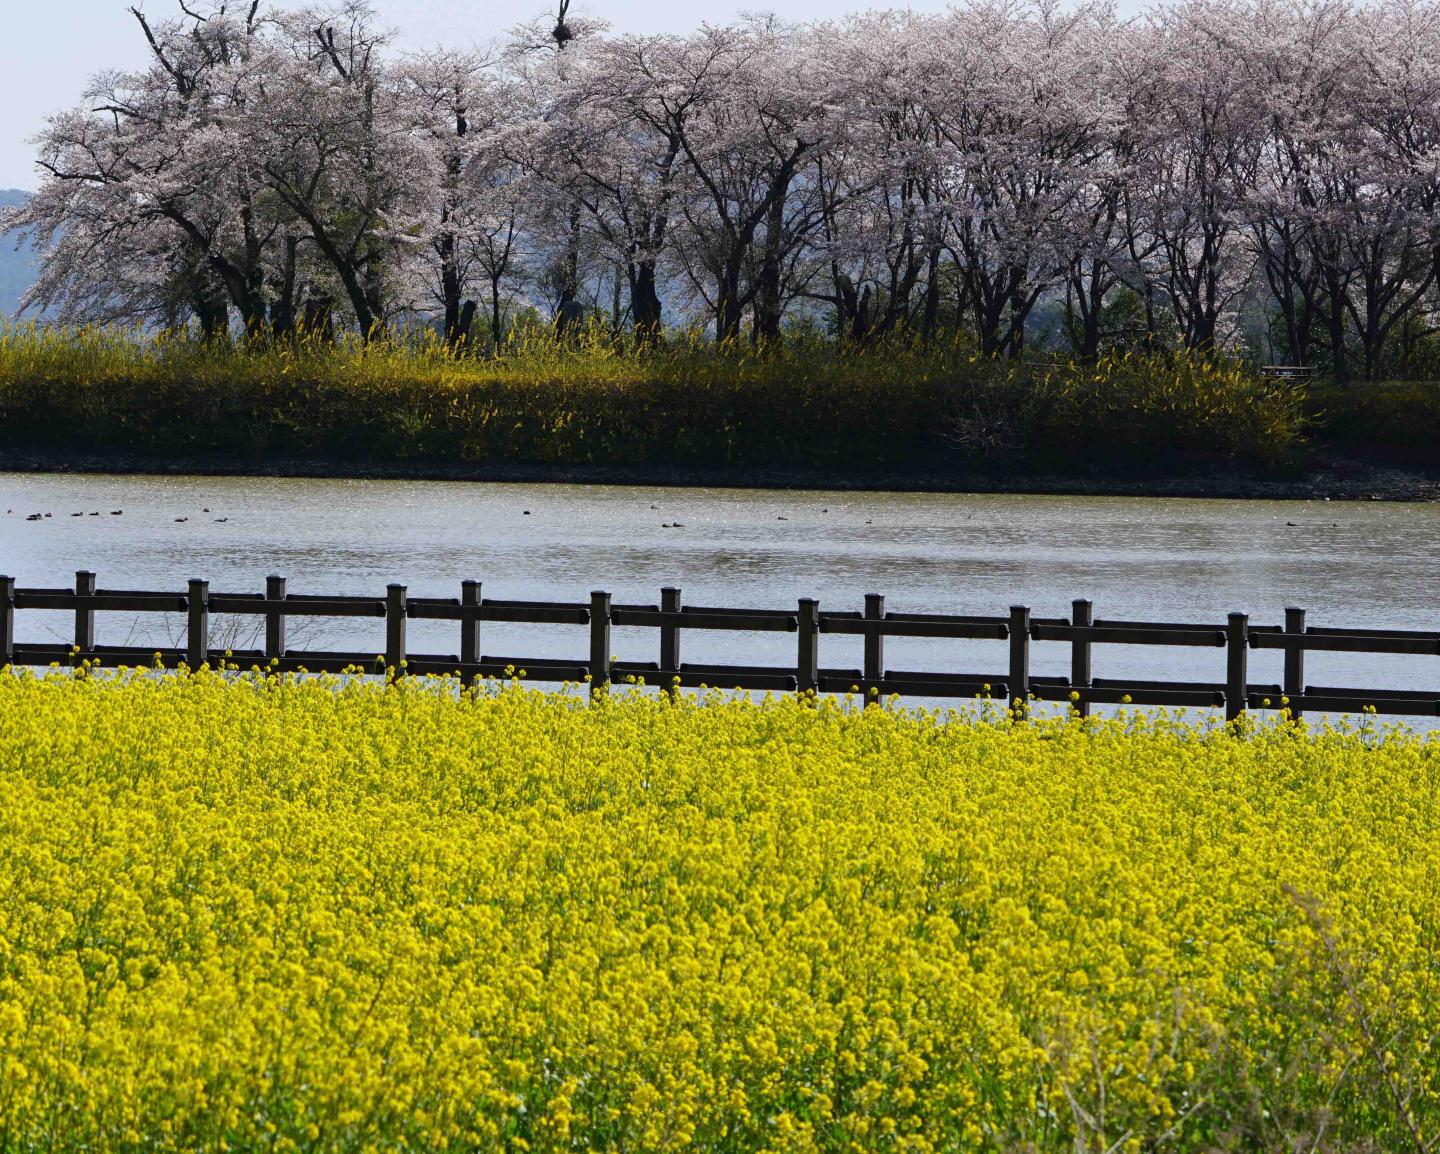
[(669, 638), (1020, 659), (469, 628), (1295, 662), (1084, 632), (874, 668), (1081, 617), (807, 661), (7, 621), (197, 628), (1237, 653), (599, 642), (274, 617), (395, 630), (84, 614)]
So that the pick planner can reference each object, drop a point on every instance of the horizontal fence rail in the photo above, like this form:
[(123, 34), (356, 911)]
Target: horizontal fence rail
[(1082, 632)]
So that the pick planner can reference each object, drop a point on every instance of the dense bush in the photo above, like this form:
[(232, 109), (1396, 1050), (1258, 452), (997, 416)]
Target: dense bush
[(293, 916), (801, 402), (1398, 421)]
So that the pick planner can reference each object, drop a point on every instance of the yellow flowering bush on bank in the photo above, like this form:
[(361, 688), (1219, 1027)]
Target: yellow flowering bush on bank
[(805, 402), (299, 914)]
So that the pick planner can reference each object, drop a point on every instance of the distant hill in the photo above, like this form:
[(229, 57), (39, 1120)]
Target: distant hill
[(17, 269)]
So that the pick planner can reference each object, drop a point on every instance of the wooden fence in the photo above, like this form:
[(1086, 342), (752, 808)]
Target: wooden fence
[(1081, 632)]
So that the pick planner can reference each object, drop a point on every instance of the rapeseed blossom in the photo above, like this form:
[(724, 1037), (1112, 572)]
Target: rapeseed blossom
[(250, 913)]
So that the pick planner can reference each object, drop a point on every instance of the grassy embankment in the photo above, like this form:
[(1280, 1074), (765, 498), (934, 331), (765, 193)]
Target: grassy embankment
[(805, 404), (285, 916)]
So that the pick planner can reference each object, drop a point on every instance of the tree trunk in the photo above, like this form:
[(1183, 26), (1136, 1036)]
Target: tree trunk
[(847, 304), (1202, 332), (930, 318), (457, 322), (466, 322), (282, 308), (729, 309), (1152, 324), (212, 311), (319, 319), (767, 296), (903, 275), (987, 318), (1335, 322), (350, 273), (645, 306), (569, 308), (1082, 316), (450, 289), (1015, 337)]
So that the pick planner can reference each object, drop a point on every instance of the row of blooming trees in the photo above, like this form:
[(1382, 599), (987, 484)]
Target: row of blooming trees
[(274, 167)]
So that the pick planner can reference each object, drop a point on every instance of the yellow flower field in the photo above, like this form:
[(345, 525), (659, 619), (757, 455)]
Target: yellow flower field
[(298, 915)]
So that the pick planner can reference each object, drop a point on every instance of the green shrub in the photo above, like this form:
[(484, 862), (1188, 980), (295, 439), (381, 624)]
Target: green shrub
[(805, 402), (1398, 421)]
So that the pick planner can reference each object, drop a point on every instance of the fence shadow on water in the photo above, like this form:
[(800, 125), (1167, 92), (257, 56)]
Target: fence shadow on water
[(273, 609)]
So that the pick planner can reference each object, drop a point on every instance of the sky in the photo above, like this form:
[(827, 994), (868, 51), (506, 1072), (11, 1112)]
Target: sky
[(50, 49)]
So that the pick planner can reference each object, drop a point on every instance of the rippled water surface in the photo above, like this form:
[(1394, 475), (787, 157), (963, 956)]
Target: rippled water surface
[(1357, 564)]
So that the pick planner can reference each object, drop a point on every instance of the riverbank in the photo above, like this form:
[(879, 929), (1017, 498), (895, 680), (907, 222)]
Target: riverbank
[(805, 414), (687, 408), (1331, 477)]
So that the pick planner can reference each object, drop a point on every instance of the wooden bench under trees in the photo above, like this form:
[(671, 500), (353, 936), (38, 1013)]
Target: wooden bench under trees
[(1301, 374)]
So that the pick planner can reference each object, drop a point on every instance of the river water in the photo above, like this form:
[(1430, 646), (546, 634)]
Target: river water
[(1368, 564)]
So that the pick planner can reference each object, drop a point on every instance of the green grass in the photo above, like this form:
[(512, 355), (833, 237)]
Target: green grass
[(805, 402)]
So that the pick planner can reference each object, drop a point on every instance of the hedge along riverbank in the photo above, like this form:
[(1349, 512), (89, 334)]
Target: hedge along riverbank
[(286, 915), (1396, 422), (803, 403)]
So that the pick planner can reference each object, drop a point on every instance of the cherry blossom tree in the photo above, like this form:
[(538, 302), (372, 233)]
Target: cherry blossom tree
[(148, 200), (274, 162)]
